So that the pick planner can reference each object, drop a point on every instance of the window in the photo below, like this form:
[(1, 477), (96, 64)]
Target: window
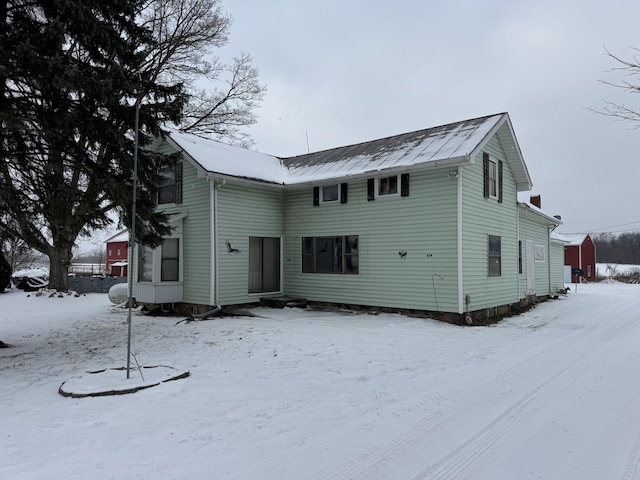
[(391, 185), (493, 173), (538, 253), (169, 264), (495, 256), (170, 184), (330, 193), (388, 185), (519, 256), (493, 179), (145, 272), (330, 254), (166, 258)]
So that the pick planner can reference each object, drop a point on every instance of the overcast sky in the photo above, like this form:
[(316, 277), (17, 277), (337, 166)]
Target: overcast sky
[(346, 71)]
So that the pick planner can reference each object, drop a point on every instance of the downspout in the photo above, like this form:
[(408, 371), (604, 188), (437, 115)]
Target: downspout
[(518, 246), (459, 221), (550, 229), (214, 294)]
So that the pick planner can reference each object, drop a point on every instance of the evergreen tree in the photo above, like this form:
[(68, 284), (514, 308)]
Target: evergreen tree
[(71, 74)]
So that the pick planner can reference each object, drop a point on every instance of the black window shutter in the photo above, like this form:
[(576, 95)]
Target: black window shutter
[(371, 189), (316, 196), (485, 161), (343, 192), (404, 185), (178, 183), (500, 181)]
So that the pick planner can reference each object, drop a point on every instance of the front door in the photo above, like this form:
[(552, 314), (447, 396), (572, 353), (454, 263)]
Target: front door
[(264, 264)]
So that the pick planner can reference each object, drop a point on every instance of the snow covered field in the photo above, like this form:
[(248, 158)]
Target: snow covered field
[(304, 394)]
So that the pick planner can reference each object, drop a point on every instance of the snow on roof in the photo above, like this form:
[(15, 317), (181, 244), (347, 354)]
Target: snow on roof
[(216, 157), (121, 236), (538, 211), (452, 144), (433, 145), (570, 238)]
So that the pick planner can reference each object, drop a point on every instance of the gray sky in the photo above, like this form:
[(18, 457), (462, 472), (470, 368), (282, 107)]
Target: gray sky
[(348, 71)]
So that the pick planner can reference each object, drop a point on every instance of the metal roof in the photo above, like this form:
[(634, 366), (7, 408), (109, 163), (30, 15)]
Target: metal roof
[(454, 144)]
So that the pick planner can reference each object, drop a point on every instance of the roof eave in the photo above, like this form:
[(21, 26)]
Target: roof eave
[(417, 167)]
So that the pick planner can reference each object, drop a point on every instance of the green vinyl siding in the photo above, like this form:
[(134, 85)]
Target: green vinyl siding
[(556, 255), (538, 233), (196, 232), (482, 217), (422, 224), (243, 212)]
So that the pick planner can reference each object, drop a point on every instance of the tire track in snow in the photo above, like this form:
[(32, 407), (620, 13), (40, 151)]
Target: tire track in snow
[(468, 452), (632, 472), (368, 464), (452, 465)]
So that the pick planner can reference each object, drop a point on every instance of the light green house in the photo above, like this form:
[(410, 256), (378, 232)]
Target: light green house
[(427, 221)]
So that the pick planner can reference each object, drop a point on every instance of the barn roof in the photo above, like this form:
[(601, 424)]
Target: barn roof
[(570, 238)]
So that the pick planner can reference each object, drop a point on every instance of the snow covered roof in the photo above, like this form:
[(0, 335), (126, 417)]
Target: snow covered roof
[(539, 212), (216, 157), (570, 238), (447, 145), (121, 236)]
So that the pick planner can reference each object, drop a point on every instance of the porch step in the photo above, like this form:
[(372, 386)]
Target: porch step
[(281, 302)]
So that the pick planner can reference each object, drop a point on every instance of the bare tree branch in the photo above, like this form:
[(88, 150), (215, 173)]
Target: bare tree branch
[(630, 68)]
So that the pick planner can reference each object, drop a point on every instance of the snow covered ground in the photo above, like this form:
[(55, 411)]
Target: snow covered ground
[(304, 394)]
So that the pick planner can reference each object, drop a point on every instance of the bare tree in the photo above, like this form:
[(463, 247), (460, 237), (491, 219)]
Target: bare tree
[(630, 83), (222, 98)]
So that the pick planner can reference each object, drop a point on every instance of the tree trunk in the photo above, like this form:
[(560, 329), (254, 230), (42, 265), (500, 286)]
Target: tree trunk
[(59, 262)]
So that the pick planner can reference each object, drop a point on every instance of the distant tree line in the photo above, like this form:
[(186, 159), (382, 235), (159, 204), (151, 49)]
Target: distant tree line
[(622, 248)]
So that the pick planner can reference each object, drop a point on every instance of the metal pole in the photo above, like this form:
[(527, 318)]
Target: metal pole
[(132, 237)]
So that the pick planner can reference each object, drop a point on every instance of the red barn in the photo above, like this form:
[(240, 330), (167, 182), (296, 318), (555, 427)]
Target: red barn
[(117, 253), (579, 253)]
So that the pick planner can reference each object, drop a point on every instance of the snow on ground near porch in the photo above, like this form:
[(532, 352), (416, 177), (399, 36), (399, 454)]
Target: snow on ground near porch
[(304, 394)]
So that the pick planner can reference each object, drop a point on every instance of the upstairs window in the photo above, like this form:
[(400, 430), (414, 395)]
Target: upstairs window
[(493, 170), (330, 193), (170, 184), (388, 185), (335, 193)]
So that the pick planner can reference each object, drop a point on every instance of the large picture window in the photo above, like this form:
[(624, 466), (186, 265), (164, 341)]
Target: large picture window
[(330, 254), (495, 256)]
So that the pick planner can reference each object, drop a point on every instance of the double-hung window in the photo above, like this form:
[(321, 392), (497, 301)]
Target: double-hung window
[(494, 256), (493, 171), (170, 184)]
